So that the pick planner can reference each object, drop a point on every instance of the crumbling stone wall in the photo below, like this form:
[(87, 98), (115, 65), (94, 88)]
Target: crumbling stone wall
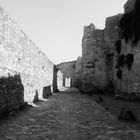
[(128, 62), (112, 40), (118, 52), (93, 59), (19, 55), (69, 70)]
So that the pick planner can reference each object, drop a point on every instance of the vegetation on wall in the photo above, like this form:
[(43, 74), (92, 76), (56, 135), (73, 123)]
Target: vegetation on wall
[(130, 24)]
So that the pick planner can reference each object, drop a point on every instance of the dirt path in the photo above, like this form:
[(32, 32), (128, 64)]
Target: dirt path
[(66, 116)]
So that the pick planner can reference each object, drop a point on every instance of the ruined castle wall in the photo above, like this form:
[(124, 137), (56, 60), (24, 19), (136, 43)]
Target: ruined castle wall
[(19, 55), (129, 82), (128, 60), (111, 37), (93, 59)]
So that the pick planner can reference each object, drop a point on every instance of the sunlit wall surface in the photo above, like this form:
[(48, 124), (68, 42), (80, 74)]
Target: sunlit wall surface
[(18, 54)]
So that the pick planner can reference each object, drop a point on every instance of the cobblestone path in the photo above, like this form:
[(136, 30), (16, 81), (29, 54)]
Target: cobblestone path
[(67, 116)]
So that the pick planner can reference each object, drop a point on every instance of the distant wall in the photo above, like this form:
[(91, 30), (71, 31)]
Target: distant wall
[(69, 70), (19, 55), (59, 79)]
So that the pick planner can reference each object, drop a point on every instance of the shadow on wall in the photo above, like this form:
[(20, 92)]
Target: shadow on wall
[(11, 94), (45, 93)]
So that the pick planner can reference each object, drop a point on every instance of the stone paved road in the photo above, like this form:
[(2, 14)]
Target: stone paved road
[(67, 116)]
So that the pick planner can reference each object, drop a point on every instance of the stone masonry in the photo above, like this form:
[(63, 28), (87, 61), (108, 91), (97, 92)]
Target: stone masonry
[(110, 59), (20, 56), (129, 56), (93, 59)]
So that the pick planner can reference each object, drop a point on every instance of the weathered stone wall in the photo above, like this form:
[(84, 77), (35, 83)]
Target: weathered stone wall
[(129, 79), (93, 59), (69, 70), (112, 56), (111, 38), (128, 60), (19, 55)]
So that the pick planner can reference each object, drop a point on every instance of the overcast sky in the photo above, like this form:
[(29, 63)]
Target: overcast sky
[(56, 26)]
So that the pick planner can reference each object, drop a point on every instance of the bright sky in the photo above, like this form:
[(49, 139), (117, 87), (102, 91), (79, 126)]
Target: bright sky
[(56, 26)]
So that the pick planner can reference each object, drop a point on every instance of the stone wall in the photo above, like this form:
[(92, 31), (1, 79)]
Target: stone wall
[(19, 55), (69, 70), (128, 60), (111, 39), (112, 56), (128, 81), (93, 59)]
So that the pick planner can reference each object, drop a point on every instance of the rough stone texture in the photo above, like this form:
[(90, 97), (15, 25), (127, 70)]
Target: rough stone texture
[(20, 55), (111, 35), (130, 79), (69, 70), (102, 51), (93, 59)]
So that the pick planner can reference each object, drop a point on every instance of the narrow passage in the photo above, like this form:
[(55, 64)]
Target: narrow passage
[(67, 115)]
